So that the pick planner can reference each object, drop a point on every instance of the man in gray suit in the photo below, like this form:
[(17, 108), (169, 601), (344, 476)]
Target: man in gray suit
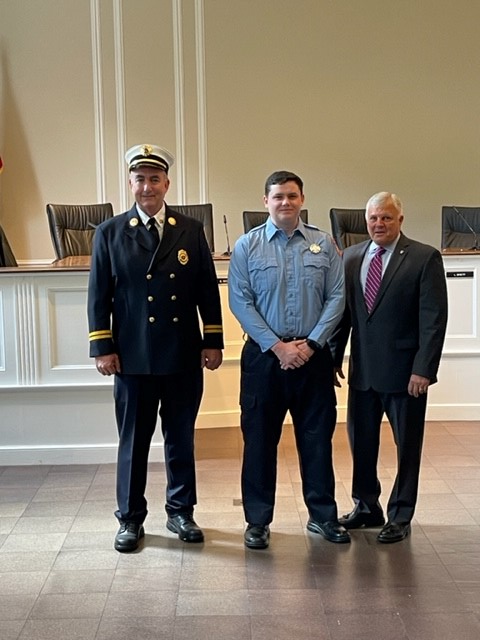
[(397, 318)]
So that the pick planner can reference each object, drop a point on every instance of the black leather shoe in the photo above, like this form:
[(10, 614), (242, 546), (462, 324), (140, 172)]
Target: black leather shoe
[(394, 532), (356, 519), (331, 531), (257, 536), (128, 536), (185, 526)]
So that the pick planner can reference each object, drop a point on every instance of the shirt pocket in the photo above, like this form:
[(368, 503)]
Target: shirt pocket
[(315, 267), (263, 273)]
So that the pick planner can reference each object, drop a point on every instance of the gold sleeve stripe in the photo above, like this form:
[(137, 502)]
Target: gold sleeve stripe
[(213, 328), (100, 335)]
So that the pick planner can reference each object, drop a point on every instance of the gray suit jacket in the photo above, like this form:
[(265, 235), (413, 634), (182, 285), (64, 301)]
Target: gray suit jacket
[(405, 332)]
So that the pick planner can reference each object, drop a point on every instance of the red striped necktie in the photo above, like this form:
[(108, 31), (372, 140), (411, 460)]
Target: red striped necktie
[(374, 278)]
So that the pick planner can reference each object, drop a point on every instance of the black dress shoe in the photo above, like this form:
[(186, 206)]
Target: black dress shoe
[(256, 536), (356, 519), (185, 526), (394, 532), (331, 531), (128, 536)]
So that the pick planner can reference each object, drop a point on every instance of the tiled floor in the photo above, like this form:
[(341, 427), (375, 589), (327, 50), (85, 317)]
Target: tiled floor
[(60, 578)]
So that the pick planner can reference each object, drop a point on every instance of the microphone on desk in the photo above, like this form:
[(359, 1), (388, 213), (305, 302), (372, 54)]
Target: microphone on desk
[(475, 234), (227, 252)]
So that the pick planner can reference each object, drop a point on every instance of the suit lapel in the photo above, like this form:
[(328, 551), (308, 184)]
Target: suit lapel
[(396, 260), (173, 230), (136, 230), (172, 233)]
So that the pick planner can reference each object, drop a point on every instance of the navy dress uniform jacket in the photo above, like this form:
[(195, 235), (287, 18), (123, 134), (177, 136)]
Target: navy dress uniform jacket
[(144, 300)]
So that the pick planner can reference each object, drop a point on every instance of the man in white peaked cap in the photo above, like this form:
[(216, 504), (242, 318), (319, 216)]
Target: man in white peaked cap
[(151, 277)]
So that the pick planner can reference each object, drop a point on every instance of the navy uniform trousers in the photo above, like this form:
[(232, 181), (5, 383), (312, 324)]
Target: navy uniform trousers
[(137, 400), (266, 394), (407, 418)]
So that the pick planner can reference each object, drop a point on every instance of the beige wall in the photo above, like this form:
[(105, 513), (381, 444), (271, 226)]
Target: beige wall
[(355, 95)]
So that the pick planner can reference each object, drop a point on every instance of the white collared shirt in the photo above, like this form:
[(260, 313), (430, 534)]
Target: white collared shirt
[(389, 249), (159, 218)]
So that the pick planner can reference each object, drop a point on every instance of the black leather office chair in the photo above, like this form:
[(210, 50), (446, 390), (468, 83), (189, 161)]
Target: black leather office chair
[(461, 227), (7, 259), (348, 226), (202, 212), (252, 219), (72, 226)]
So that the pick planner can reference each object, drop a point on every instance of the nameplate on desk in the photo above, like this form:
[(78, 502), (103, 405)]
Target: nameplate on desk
[(456, 251), (459, 274)]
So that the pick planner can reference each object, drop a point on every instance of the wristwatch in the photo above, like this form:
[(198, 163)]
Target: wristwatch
[(313, 345)]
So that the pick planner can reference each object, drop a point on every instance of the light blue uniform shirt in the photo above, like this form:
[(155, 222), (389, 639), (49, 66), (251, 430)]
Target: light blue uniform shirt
[(286, 287)]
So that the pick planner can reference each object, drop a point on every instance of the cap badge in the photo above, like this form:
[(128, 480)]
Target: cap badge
[(182, 257), (314, 248), (134, 222), (147, 150), (172, 221)]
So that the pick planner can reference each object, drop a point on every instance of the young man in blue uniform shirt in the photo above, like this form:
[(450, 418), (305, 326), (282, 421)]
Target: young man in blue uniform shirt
[(151, 276), (286, 288)]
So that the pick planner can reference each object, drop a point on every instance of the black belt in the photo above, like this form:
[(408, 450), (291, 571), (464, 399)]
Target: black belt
[(282, 339)]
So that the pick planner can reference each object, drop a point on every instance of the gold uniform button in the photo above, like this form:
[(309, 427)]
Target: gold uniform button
[(173, 298), (172, 276), (151, 319), (175, 319), (149, 276), (150, 298)]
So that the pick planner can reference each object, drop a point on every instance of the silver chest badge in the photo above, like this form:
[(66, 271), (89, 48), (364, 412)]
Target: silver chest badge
[(315, 248)]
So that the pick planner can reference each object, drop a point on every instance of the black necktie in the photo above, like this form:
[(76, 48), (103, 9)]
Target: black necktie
[(152, 229)]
